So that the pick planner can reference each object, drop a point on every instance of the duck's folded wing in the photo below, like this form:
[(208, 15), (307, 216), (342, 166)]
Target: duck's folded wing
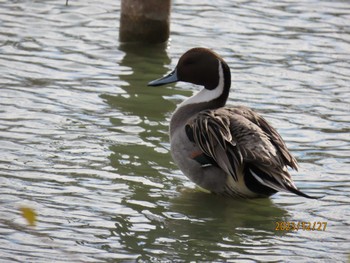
[(239, 141), (211, 133), (269, 131), (265, 154)]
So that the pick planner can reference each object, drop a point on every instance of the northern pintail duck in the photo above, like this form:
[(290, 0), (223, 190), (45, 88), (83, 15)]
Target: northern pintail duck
[(229, 151)]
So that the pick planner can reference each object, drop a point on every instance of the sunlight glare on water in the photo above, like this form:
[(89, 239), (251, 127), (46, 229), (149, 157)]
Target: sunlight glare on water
[(84, 142)]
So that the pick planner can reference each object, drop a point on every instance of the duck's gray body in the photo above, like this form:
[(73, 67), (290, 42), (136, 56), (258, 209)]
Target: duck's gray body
[(230, 151), (210, 177)]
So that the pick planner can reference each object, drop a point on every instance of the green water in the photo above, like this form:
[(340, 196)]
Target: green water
[(84, 141)]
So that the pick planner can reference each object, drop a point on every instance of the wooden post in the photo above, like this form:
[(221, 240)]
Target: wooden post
[(144, 21)]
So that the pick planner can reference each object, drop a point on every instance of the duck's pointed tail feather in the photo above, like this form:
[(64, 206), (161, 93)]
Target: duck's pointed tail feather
[(272, 182), (300, 193)]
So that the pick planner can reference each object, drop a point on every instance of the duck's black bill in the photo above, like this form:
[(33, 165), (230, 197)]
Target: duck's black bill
[(170, 78)]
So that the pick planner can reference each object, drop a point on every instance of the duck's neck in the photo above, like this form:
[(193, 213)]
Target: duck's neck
[(206, 99)]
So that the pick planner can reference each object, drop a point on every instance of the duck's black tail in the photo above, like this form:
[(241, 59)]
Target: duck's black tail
[(260, 182), (300, 193)]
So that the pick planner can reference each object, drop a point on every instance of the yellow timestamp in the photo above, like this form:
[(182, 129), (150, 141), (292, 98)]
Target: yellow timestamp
[(296, 226)]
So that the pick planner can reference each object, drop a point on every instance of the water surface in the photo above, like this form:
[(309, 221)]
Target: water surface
[(84, 142)]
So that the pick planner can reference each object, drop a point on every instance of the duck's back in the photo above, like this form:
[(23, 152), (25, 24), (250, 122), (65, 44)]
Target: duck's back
[(231, 150)]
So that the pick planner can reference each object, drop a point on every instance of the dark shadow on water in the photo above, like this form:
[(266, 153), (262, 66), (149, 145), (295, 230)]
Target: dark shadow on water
[(147, 62), (200, 226), (224, 213), (140, 113)]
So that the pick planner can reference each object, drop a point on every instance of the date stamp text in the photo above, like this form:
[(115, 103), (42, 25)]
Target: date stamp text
[(296, 226)]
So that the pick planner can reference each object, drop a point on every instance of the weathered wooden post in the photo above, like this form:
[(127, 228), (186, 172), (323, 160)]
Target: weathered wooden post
[(144, 21)]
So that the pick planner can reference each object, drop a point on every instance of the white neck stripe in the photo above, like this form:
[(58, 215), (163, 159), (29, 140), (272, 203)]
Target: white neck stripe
[(206, 95)]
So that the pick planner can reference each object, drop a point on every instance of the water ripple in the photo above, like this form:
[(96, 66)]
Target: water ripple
[(84, 142)]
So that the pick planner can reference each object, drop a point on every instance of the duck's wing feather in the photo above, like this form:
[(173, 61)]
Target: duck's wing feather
[(240, 141), (211, 133), (269, 131)]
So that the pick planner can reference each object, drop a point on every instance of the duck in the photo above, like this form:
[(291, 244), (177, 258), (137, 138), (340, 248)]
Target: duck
[(227, 150)]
